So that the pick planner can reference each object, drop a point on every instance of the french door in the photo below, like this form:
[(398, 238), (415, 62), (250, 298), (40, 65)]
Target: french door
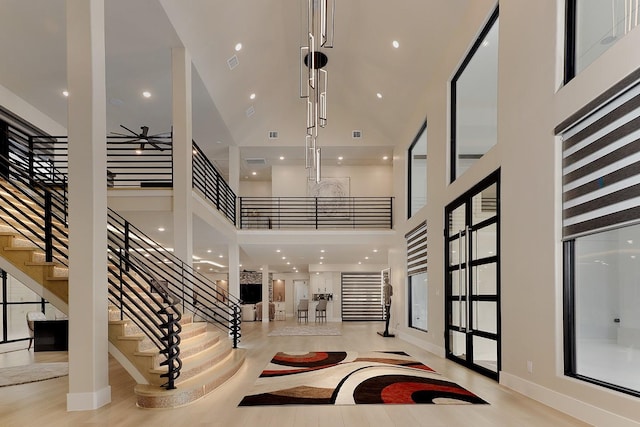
[(472, 236)]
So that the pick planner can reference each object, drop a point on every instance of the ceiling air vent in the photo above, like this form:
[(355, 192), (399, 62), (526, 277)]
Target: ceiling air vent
[(255, 162), (273, 134), (356, 134), (233, 62), (250, 111)]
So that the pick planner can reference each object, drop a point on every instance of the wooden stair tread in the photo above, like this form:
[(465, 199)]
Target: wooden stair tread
[(150, 396)]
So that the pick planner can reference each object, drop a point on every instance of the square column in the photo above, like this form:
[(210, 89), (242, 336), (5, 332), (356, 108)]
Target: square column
[(88, 320)]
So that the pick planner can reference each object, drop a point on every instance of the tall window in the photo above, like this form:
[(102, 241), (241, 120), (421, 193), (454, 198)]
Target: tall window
[(417, 272), (601, 232), (474, 101), (418, 172), (593, 26)]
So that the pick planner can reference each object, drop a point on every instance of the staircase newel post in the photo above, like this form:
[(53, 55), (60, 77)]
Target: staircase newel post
[(236, 314), (48, 227)]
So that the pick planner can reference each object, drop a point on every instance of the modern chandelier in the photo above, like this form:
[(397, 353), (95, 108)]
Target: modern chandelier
[(313, 76)]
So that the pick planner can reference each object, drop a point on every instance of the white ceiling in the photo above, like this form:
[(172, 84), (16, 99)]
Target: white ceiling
[(141, 33)]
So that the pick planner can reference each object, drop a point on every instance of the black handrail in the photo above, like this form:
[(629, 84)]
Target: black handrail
[(197, 293), (30, 204), (208, 180), (128, 164), (316, 212)]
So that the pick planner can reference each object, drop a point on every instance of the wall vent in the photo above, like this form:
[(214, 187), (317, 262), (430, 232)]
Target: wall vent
[(233, 62), (273, 134), (255, 161), (250, 111), (356, 134)]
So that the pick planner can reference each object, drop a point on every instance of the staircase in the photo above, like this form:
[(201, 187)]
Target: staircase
[(202, 353)]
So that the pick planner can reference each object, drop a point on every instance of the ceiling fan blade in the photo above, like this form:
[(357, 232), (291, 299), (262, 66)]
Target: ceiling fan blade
[(132, 132), (119, 134)]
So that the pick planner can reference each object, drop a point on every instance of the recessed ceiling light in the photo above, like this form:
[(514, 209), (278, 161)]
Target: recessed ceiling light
[(65, 93), (322, 250), (379, 95), (254, 173), (340, 158), (278, 250), (197, 268), (160, 228), (321, 257), (385, 158), (238, 47), (260, 268), (395, 44), (630, 242), (239, 265), (321, 262), (252, 96), (359, 262), (284, 257), (146, 94), (281, 157), (317, 273), (375, 250), (220, 256), (288, 263), (366, 257), (208, 251)]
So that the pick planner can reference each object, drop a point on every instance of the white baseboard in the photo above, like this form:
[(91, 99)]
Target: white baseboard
[(88, 401), (431, 348), (567, 404)]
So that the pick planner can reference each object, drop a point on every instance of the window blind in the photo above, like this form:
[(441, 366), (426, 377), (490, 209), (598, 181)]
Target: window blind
[(417, 250), (601, 167), (361, 296)]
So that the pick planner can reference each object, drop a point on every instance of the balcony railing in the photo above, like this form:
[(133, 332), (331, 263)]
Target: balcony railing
[(316, 212), (212, 185)]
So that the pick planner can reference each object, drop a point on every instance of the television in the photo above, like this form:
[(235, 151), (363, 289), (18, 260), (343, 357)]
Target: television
[(251, 293)]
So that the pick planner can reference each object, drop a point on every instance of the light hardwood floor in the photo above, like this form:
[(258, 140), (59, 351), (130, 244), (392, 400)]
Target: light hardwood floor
[(44, 403)]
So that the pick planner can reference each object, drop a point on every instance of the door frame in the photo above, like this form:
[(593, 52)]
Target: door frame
[(465, 199)]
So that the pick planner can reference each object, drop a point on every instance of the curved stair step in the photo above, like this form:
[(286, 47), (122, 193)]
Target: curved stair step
[(150, 396)]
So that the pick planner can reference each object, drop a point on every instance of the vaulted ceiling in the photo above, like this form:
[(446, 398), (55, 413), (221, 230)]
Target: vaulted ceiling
[(141, 33)]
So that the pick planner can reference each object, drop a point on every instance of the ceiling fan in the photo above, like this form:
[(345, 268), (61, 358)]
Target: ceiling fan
[(156, 141)]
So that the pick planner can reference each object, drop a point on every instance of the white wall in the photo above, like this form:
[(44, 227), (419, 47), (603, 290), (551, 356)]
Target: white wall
[(26, 111), (249, 188), (364, 181), (530, 105)]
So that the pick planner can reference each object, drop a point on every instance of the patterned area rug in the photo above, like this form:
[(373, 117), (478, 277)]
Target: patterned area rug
[(348, 378), (31, 373), (304, 330)]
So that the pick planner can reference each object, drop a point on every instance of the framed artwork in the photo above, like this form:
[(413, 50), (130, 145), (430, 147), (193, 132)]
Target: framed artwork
[(329, 187)]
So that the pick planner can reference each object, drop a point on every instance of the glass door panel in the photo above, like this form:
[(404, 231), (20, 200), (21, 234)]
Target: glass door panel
[(485, 242), (485, 353), (472, 289), (485, 279)]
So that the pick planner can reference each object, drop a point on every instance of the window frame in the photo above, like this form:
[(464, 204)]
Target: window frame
[(422, 130), (453, 90)]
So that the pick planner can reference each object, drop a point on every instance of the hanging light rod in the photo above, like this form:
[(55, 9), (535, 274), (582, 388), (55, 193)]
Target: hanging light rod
[(314, 78)]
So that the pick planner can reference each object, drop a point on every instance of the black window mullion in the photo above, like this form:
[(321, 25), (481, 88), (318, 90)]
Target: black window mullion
[(570, 41)]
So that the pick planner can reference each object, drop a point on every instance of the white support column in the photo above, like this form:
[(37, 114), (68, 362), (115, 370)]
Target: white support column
[(234, 269), (234, 169), (182, 156), (88, 330), (265, 294)]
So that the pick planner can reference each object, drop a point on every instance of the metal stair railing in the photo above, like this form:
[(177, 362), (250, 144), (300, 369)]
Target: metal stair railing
[(137, 293), (197, 294), (39, 207), (36, 204), (208, 180)]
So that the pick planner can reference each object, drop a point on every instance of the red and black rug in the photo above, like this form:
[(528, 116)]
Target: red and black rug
[(348, 378)]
